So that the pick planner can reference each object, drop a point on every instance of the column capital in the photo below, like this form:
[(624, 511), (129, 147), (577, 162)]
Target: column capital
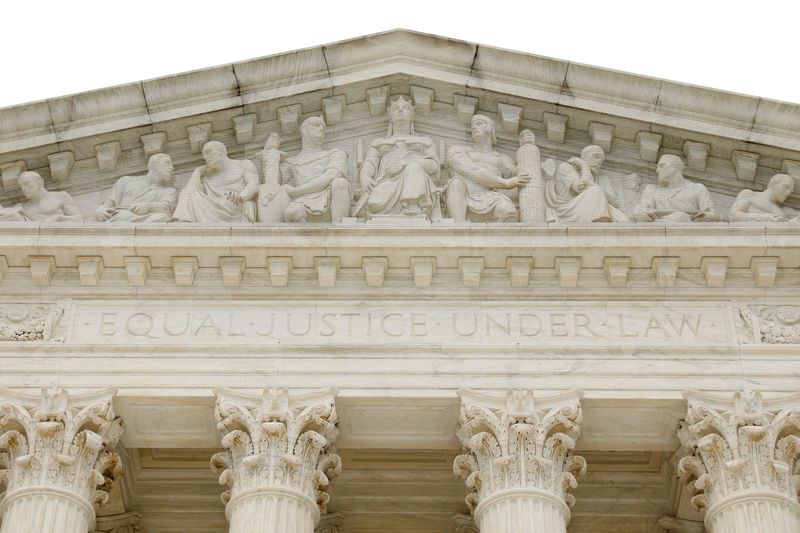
[(277, 441), (58, 445), (517, 442), (740, 443)]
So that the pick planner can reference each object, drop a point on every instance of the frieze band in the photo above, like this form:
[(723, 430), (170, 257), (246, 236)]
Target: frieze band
[(401, 175)]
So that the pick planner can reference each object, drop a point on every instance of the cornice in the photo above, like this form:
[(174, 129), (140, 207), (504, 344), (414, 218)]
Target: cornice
[(717, 260), (470, 65)]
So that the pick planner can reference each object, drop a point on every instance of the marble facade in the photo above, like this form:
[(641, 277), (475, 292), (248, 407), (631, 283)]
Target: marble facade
[(400, 283)]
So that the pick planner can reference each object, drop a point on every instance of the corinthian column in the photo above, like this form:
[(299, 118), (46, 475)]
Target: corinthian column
[(517, 462), (278, 461), (55, 460), (744, 461)]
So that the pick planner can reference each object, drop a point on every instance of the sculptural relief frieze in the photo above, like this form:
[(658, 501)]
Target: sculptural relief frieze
[(773, 324), (406, 174), (33, 322)]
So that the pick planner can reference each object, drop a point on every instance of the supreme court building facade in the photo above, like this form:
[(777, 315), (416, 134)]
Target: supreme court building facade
[(400, 283)]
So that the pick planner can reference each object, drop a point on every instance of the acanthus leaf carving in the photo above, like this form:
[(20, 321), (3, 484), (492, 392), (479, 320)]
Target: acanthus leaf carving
[(277, 442), (60, 442), (747, 444), (518, 443)]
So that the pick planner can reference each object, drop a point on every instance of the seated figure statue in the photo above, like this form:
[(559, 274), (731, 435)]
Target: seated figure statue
[(476, 171), (397, 175), (41, 205), (674, 198), (224, 190), (767, 205), (574, 194), (311, 183), (146, 198)]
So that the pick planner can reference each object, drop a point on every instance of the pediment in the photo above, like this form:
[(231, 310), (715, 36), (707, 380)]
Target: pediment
[(731, 141)]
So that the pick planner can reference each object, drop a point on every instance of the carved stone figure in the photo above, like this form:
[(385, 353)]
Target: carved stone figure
[(476, 171), (41, 205), (574, 194), (397, 175), (224, 190), (142, 198), (765, 205), (309, 184), (674, 198)]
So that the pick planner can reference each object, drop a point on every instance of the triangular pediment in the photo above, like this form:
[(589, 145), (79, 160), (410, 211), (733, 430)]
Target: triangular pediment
[(731, 141)]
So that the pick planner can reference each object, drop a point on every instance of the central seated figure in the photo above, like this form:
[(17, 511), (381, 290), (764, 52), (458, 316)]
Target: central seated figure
[(397, 175)]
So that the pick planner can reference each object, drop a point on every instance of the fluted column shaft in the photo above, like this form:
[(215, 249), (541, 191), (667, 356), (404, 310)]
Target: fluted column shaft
[(39, 509), (517, 461), (278, 459), (748, 511), (55, 460), (745, 453), (264, 510)]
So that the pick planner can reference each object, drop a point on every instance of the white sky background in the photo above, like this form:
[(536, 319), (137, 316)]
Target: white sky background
[(52, 48)]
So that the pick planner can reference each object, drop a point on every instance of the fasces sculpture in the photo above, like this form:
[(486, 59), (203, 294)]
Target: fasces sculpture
[(309, 184), (146, 198), (397, 174), (674, 198), (478, 170), (764, 206), (41, 205), (223, 190), (574, 195)]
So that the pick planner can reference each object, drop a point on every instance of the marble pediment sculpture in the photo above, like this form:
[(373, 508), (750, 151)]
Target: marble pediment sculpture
[(767, 205), (148, 198), (308, 185), (41, 205), (674, 198), (224, 190), (398, 173), (477, 171), (394, 149), (574, 194)]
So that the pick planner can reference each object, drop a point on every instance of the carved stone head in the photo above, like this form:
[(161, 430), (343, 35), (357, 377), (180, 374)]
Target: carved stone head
[(159, 166), (781, 186), (31, 184), (594, 156), (215, 153), (401, 112), (313, 130), (482, 126), (669, 169)]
